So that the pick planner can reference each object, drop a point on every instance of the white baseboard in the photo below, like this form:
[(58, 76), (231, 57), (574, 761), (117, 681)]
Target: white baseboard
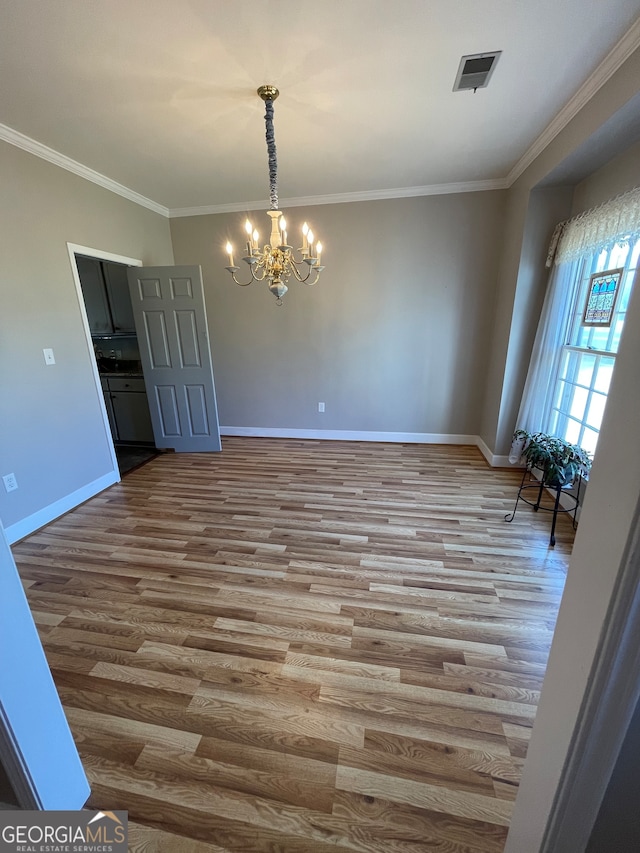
[(370, 435), (484, 449), (38, 519), (350, 435), (503, 462), (492, 459)]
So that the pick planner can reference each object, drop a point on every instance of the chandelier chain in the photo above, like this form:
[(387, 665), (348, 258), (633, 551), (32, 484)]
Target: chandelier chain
[(273, 157)]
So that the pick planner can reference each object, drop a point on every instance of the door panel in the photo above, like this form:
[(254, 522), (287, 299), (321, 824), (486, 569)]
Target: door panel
[(170, 315), (156, 339), (197, 410), (168, 410), (187, 339)]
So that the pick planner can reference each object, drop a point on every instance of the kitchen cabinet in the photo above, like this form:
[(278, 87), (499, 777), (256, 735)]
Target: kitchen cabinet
[(119, 298), (95, 295), (128, 408), (109, 406), (106, 296)]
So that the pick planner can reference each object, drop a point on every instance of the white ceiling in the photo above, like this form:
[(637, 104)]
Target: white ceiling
[(160, 95)]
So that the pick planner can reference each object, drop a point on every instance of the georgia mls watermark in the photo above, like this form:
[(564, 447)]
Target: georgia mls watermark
[(63, 832)]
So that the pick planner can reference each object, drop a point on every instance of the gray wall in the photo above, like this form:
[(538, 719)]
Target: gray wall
[(416, 311), (613, 494), (510, 333), (52, 433), (606, 526), (622, 173), (546, 207), (617, 827), (422, 322), (395, 335)]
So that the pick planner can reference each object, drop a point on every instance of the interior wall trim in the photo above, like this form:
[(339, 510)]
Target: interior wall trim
[(351, 435), (620, 53), (346, 198), (15, 767), (32, 146), (607, 68), (48, 513), (99, 254), (493, 460), (610, 699)]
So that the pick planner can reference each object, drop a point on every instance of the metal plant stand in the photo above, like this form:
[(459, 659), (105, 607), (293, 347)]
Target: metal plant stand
[(530, 482)]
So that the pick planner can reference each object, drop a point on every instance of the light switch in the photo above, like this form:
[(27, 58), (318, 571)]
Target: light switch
[(49, 358)]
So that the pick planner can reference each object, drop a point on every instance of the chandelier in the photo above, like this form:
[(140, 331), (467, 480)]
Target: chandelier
[(277, 261)]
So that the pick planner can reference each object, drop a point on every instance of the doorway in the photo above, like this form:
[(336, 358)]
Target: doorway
[(103, 293)]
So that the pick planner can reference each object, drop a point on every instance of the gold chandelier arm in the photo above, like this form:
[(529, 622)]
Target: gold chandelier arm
[(317, 271), (259, 277), (296, 272), (311, 268), (234, 270)]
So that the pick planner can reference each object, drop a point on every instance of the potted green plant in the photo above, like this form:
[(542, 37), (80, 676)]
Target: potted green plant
[(559, 461)]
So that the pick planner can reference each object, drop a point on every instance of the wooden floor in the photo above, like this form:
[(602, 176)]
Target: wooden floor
[(299, 646)]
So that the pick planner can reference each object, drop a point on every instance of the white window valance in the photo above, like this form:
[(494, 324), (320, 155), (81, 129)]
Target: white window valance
[(615, 221)]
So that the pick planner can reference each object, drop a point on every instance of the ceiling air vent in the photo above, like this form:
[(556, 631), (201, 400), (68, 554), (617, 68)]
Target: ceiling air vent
[(475, 71)]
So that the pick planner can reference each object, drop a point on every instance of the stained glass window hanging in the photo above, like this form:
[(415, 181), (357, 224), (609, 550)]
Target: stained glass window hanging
[(601, 298)]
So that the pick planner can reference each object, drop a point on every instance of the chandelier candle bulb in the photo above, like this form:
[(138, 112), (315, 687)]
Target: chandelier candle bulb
[(248, 227), (318, 250), (256, 237), (229, 248)]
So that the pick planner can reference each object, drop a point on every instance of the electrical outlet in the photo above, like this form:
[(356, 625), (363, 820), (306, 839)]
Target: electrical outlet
[(118, 353), (49, 357), (10, 482), (321, 407)]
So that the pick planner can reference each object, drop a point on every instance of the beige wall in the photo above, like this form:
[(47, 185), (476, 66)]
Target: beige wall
[(53, 437), (393, 338)]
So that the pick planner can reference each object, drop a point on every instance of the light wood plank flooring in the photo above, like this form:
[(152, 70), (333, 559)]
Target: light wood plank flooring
[(302, 646)]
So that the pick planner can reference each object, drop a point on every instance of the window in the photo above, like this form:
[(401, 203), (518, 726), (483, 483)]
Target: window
[(589, 354)]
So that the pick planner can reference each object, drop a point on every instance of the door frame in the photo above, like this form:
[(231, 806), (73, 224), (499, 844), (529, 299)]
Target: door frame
[(40, 758), (100, 255)]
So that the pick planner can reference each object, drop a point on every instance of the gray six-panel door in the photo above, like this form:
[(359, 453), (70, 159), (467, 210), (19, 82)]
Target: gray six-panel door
[(171, 325)]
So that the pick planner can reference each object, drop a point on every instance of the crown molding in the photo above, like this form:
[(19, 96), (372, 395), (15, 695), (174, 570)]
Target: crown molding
[(607, 68), (612, 62), (345, 198), (14, 137)]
